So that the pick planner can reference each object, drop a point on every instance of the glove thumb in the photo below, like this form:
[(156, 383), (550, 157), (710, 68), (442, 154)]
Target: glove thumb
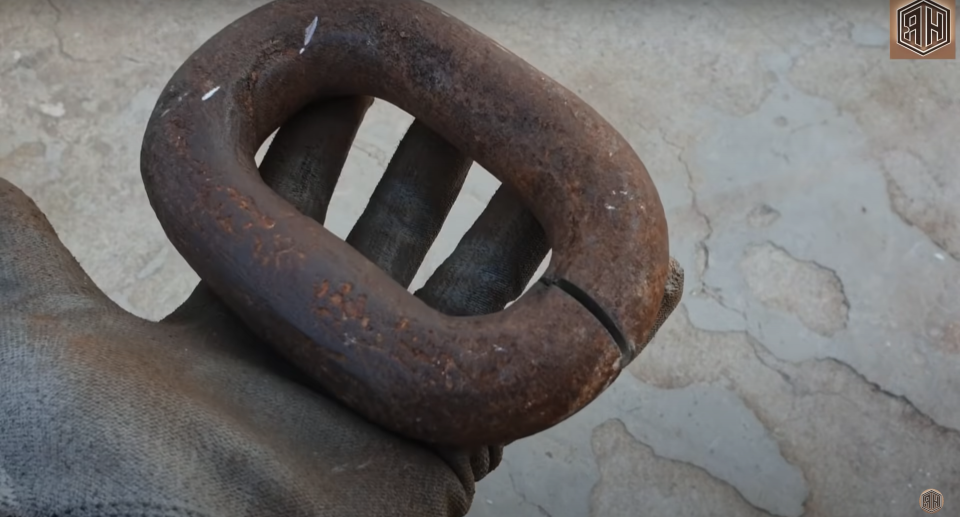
[(37, 272)]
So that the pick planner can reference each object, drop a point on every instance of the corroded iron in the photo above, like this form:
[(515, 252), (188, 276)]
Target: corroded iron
[(444, 379)]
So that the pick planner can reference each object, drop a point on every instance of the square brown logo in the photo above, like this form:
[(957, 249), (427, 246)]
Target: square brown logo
[(923, 29)]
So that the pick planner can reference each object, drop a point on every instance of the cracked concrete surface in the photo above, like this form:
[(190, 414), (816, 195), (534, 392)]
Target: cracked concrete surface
[(810, 185)]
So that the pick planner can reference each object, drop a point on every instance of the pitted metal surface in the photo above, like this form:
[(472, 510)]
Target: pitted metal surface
[(442, 378)]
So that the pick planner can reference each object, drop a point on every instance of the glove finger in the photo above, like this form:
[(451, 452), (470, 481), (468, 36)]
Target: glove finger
[(304, 162), (489, 268), (496, 259), (302, 165), (410, 204), (37, 272), (401, 222), (493, 262)]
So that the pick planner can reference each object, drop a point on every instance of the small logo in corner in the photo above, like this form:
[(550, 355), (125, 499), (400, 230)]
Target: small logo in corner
[(931, 501), (922, 29)]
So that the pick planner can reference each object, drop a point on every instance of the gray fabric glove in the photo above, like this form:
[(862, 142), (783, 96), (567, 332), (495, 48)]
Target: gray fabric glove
[(105, 414)]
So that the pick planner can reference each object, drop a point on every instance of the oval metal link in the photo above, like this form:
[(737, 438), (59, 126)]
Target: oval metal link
[(461, 381)]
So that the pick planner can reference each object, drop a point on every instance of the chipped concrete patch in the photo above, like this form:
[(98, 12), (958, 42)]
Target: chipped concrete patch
[(805, 289), (635, 481), (820, 173), (710, 427), (826, 418), (703, 425), (900, 108), (912, 185)]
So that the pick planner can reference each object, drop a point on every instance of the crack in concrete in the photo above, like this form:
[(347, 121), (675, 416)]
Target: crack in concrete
[(892, 188), (856, 373), (694, 201), (755, 346), (709, 291), (523, 496), (60, 46), (704, 287), (736, 490), (880, 389), (715, 295), (755, 342)]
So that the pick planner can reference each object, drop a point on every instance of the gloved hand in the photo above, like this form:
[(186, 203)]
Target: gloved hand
[(105, 414)]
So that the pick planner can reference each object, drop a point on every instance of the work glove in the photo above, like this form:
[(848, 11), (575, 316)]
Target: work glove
[(103, 413)]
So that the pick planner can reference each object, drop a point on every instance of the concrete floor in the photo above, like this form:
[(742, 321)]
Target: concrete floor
[(811, 186)]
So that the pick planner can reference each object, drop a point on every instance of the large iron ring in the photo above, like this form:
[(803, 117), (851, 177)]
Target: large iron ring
[(461, 381)]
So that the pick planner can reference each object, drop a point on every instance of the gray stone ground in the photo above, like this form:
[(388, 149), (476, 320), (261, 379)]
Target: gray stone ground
[(811, 185)]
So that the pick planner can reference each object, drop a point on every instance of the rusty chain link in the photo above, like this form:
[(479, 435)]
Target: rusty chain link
[(442, 378)]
